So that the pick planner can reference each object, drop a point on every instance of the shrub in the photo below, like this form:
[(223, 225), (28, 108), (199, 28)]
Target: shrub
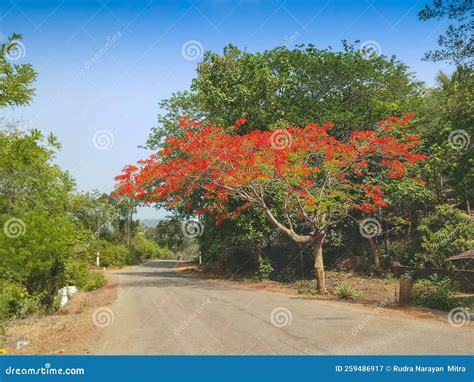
[(445, 233), (111, 254), (264, 269), (435, 292), (144, 249), (16, 302), (78, 275), (346, 291), (165, 254)]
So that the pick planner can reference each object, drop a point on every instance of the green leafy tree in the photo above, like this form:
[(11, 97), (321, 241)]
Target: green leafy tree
[(15, 80), (456, 44), (445, 233)]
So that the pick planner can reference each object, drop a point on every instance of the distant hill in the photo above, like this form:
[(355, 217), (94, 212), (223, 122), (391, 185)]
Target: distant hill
[(150, 223)]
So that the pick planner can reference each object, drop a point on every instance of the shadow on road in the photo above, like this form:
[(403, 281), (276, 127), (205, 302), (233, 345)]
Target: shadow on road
[(162, 274)]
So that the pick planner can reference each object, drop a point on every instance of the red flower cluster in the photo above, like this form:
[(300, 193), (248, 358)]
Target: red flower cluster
[(224, 173)]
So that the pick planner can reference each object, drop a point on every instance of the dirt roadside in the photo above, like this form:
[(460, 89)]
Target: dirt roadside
[(376, 292), (69, 331)]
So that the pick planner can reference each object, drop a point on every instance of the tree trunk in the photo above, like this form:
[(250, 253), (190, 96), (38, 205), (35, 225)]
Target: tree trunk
[(319, 264), (376, 254)]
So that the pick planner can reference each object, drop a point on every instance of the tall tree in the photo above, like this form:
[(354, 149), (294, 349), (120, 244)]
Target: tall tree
[(302, 179)]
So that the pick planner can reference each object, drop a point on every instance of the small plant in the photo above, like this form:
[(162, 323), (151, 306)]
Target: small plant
[(306, 287), (435, 292), (346, 291), (265, 269)]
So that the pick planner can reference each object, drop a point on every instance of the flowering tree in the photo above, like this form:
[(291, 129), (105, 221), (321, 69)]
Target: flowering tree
[(303, 179)]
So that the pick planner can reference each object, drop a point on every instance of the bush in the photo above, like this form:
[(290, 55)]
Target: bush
[(78, 275), (165, 254), (346, 291), (16, 302), (265, 269), (144, 249), (435, 292), (447, 232), (111, 254)]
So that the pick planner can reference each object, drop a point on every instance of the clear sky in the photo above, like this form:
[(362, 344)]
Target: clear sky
[(104, 65)]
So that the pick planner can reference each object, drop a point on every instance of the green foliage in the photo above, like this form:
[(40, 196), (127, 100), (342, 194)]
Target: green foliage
[(280, 87), (144, 249), (78, 274), (445, 233), (111, 254), (16, 302), (456, 44), (265, 269), (346, 291), (435, 292), (168, 233), (165, 254), (298, 86), (36, 259), (15, 80)]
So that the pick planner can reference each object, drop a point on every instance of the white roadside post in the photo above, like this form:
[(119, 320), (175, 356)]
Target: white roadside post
[(97, 260)]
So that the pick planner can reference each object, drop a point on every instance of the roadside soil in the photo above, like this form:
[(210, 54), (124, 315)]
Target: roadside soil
[(71, 327), (382, 292)]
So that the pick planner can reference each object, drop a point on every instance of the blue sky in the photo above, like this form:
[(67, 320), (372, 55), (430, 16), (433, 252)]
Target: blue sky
[(104, 65)]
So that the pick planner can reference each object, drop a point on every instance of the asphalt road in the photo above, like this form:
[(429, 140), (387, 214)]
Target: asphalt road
[(160, 311)]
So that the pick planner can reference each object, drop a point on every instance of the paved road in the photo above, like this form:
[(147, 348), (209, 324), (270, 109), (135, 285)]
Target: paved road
[(160, 311)]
